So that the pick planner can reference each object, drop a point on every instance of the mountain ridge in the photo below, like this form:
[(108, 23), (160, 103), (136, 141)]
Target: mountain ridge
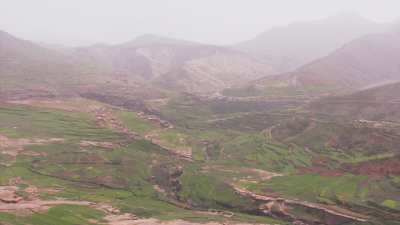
[(296, 44), (169, 64)]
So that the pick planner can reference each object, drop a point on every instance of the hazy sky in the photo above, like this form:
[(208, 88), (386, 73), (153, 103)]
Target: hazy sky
[(81, 22)]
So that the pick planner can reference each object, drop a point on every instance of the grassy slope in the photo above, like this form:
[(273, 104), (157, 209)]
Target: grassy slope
[(133, 122), (225, 159), (239, 144), (61, 214), (30, 122), (129, 166)]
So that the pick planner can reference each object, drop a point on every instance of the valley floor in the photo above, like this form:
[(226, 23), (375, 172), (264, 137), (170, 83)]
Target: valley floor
[(79, 161)]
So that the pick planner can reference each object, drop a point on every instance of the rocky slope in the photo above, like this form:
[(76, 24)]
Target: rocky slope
[(164, 63), (175, 64)]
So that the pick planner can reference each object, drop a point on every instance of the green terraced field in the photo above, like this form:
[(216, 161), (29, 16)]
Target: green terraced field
[(61, 214), (143, 179), (122, 176), (31, 122)]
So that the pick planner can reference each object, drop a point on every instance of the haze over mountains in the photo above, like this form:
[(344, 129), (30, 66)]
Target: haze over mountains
[(176, 64), (299, 126), (299, 43), (167, 63), (367, 61), (24, 64), (359, 53)]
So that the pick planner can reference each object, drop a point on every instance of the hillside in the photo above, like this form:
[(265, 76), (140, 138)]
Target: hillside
[(24, 64), (130, 134), (162, 63), (368, 61), (297, 44), (176, 65), (379, 104), (199, 161)]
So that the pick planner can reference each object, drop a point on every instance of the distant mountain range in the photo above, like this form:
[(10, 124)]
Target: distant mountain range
[(149, 62), (23, 64), (164, 128), (369, 61), (288, 48), (165, 63), (175, 64)]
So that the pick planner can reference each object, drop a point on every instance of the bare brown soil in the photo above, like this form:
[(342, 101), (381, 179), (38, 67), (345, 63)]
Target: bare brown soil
[(105, 145), (69, 104), (23, 94), (10, 201), (105, 118), (272, 205), (321, 171), (181, 152), (15, 147), (320, 166), (381, 167), (177, 222)]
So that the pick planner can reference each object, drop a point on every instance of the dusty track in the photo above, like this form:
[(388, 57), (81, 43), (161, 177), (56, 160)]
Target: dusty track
[(270, 201), (184, 153), (105, 118), (15, 147)]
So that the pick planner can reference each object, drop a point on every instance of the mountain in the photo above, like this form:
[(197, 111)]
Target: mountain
[(288, 48), (379, 104), (371, 60), (147, 63), (30, 70), (176, 65), (366, 61), (206, 158), (24, 64)]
